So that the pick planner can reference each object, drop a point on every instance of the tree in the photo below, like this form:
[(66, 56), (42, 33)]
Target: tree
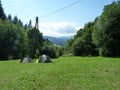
[(83, 44), (2, 14), (79, 33), (9, 17), (68, 48), (25, 26), (15, 19), (20, 22), (13, 40), (30, 24), (106, 33), (35, 41)]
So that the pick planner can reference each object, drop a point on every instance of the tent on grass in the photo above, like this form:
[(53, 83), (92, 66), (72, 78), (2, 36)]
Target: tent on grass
[(26, 59), (44, 59)]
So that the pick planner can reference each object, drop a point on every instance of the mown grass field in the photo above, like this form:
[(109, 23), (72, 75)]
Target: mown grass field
[(64, 73)]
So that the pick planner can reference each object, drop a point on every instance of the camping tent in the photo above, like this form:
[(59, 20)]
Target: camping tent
[(26, 59), (44, 59)]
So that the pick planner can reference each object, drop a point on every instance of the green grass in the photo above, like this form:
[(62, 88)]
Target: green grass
[(65, 73)]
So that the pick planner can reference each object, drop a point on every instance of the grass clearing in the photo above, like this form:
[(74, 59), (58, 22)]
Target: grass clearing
[(65, 73)]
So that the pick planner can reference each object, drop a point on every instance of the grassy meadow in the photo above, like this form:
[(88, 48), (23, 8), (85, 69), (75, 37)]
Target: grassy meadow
[(64, 73)]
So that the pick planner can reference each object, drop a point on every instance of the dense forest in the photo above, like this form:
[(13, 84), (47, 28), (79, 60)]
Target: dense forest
[(100, 37), (18, 40)]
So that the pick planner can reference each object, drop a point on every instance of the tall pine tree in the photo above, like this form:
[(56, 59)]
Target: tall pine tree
[(2, 14)]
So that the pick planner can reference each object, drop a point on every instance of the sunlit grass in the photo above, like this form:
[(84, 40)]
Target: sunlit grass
[(65, 73)]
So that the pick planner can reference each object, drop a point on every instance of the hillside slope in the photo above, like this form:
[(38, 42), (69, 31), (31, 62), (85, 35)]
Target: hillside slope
[(58, 40)]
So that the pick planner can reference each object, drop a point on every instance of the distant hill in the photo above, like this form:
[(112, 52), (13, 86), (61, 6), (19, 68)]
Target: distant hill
[(58, 40)]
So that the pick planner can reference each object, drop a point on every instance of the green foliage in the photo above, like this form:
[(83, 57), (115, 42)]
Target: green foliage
[(79, 33), (9, 17), (81, 73), (35, 41), (68, 48), (102, 35), (60, 51), (106, 33), (16, 39), (15, 20), (52, 51), (2, 14), (82, 45), (12, 40), (30, 24)]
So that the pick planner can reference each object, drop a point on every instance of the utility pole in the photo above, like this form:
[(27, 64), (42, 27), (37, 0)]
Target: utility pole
[(37, 23), (37, 36)]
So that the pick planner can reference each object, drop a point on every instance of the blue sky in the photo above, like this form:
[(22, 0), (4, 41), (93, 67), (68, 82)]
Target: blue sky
[(63, 23)]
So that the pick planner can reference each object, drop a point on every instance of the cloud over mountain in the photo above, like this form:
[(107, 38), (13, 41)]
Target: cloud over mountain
[(58, 29)]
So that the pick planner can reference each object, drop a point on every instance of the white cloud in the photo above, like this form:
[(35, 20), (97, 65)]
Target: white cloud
[(58, 29)]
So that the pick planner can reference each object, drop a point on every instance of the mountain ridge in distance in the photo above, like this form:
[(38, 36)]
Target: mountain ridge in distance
[(62, 41)]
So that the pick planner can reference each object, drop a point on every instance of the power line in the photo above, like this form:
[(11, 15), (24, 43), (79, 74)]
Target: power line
[(59, 10)]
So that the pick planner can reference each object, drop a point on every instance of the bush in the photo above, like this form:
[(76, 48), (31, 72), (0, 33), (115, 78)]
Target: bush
[(52, 51)]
